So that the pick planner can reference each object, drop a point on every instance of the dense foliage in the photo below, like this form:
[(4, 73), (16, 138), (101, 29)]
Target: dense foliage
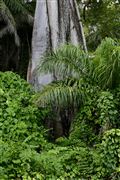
[(87, 86), (21, 127), (90, 85), (92, 150)]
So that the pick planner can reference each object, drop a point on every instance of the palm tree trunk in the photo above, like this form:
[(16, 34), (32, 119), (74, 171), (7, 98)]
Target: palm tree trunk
[(56, 22)]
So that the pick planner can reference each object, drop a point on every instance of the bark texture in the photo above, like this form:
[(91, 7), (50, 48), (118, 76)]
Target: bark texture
[(56, 22)]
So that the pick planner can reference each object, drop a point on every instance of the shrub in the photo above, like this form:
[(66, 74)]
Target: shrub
[(108, 158), (21, 130)]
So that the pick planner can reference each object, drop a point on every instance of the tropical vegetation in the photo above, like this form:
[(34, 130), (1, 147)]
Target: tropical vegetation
[(70, 128), (90, 87), (14, 13)]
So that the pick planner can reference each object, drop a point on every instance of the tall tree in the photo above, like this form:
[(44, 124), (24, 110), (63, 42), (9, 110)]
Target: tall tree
[(56, 22), (101, 19)]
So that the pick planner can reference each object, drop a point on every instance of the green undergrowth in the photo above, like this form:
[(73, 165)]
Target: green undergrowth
[(92, 151)]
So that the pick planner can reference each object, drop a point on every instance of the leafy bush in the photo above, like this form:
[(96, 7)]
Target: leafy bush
[(85, 126), (65, 163), (21, 130), (109, 156)]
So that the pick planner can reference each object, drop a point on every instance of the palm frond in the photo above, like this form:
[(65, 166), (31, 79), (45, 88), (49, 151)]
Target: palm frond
[(7, 17), (16, 6), (66, 61), (13, 13), (62, 94), (73, 66), (107, 64), (20, 8)]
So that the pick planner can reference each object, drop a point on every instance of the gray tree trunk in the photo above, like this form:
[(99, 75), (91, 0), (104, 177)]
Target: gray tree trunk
[(56, 22)]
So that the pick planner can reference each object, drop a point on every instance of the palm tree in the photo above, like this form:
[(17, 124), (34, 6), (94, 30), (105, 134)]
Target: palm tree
[(70, 66), (77, 74), (68, 90), (12, 13), (75, 71)]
